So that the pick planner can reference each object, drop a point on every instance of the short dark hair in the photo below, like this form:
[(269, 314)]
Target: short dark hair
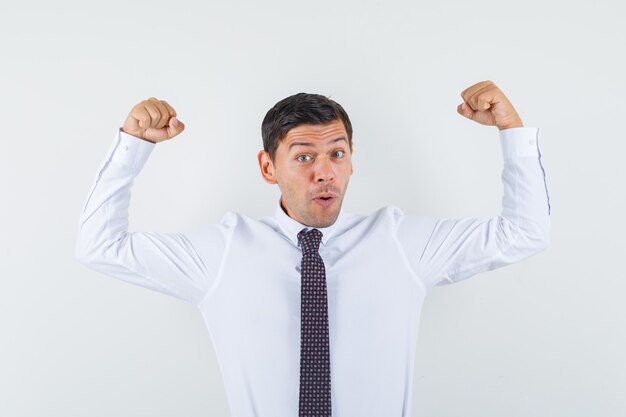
[(298, 109)]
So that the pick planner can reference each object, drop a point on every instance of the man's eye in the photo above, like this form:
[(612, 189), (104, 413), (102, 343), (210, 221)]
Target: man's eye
[(304, 158), (338, 154)]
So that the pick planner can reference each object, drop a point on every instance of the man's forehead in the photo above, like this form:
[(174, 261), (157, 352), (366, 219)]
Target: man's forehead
[(317, 132)]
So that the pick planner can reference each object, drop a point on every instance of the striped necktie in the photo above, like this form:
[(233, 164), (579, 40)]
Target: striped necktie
[(314, 343)]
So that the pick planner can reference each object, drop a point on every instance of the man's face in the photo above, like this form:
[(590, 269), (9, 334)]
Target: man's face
[(312, 166)]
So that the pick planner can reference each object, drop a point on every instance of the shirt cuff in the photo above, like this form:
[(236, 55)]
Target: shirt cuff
[(519, 141), (131, 151)]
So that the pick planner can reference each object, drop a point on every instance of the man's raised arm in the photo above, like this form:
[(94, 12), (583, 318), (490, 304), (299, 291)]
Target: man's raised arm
[(443, 251), (183, 265)]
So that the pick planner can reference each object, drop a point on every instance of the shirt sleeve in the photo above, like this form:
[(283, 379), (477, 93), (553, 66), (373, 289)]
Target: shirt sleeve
[(183, 265), (444, 251)]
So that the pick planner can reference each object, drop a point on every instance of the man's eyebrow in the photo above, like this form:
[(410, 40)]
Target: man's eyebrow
[(339, 139)]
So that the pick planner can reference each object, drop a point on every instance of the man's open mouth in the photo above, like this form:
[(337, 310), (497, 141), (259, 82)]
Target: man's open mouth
[(325, 200)]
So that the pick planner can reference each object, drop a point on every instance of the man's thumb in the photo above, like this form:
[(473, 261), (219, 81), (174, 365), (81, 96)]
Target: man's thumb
[(464, 110), (176, 126)]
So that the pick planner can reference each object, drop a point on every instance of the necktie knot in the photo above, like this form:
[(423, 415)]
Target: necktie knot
[(310, 241)]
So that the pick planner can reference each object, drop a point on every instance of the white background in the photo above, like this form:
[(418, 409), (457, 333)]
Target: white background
[(545, 337)]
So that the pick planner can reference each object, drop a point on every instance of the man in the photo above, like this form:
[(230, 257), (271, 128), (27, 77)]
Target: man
[(313, 311)]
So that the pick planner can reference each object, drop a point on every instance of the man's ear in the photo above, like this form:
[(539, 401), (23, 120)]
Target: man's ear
[(267, 167), (351, 166)]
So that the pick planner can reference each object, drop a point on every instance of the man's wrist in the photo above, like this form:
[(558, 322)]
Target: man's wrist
[(135, 136), (511, 126)]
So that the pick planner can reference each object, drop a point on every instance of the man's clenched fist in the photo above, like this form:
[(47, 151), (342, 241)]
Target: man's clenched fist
[(153, 120), (484, 103)]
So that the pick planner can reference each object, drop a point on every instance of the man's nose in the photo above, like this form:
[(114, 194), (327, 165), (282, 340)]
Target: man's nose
[(323, 170)]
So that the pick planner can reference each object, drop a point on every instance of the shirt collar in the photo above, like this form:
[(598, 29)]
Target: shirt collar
[(291, 227)]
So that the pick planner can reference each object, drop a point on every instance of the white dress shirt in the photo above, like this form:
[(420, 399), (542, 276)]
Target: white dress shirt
[(243, 275)]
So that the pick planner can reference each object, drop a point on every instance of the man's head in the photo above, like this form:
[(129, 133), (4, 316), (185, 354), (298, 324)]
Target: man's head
[(307, 141)]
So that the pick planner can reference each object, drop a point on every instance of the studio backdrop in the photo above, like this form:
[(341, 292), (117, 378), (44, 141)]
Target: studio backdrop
[(544, 337)]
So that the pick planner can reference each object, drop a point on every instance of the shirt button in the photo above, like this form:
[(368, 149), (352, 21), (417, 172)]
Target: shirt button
[(125, 147), (532, 141)]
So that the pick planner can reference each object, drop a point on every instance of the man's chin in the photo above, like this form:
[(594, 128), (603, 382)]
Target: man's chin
[(322, 225), (318, 217), (325, 221)]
